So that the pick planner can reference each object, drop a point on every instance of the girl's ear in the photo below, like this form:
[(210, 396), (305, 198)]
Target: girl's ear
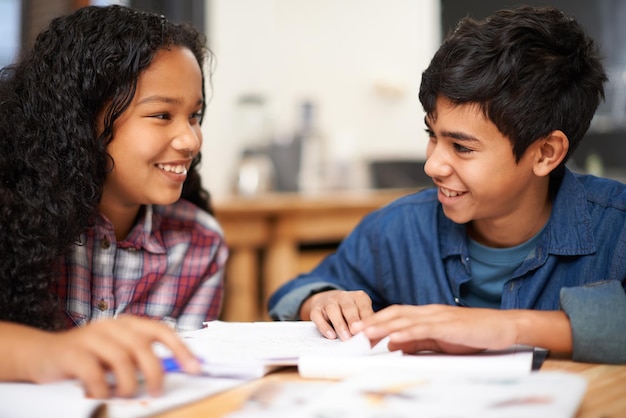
[(550, 152)]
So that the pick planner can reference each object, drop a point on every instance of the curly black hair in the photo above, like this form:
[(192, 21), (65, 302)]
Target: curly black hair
[(53, 156)]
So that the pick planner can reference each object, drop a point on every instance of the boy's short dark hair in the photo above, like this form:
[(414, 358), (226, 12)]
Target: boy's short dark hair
[(531, 70)]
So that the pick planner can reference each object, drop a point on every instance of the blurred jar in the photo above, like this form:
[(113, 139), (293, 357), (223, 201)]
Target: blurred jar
[(255, 173)]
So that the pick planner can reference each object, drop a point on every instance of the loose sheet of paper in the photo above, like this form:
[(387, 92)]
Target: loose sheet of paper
[(66, 399)]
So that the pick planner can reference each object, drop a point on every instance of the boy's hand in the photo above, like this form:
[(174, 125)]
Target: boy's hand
[(335, 311), (459, 330), (121, 347), (440, 328)]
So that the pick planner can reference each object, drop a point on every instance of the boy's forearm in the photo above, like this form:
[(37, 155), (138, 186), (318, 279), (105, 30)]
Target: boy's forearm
[(546, 329)]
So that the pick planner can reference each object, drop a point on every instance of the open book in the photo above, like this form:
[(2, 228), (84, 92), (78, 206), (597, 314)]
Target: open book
[(252, 349)]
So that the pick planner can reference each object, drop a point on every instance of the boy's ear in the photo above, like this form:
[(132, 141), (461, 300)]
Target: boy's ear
[(550, 152)]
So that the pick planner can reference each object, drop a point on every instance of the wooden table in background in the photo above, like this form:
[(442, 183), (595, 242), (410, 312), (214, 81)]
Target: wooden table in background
[(265, 235), (605, 396)]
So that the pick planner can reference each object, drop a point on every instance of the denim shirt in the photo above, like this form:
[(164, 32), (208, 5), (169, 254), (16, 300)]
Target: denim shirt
[(409, 252)]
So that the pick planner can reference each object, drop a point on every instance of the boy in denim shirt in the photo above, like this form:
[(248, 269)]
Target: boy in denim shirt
[(510, 247)]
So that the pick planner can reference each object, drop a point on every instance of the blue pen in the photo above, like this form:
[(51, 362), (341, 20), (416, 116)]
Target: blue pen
[(171, 365)]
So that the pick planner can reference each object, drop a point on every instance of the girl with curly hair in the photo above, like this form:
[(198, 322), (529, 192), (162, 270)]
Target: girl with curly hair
[(99, 139)]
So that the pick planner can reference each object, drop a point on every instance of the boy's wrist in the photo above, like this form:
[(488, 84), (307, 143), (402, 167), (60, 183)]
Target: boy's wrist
[(546, 329)]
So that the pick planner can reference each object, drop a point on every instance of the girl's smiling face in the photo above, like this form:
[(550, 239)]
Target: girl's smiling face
[(157, 137), (478, 179)]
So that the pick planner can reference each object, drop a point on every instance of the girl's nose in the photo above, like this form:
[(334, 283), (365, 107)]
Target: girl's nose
[(189, 139)]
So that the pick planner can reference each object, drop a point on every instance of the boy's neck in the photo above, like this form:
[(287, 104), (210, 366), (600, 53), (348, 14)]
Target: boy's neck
[(514, 230)]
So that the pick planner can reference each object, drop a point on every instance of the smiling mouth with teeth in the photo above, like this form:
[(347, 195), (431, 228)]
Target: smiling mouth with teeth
[(178, 169), (450, 193)]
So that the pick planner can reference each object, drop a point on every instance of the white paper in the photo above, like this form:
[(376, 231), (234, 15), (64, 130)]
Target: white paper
[(514, 361), (231, 347), (53, 400), (66, 399), (401, 394), (253, 349), (271, 341)]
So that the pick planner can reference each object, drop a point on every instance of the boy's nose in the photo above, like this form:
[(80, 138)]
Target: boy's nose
[(436, 164)]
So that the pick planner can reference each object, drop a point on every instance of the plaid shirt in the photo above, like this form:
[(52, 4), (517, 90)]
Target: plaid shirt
[(170, 267)]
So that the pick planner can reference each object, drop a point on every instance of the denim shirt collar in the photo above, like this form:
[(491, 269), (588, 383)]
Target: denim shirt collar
[(568, 231)]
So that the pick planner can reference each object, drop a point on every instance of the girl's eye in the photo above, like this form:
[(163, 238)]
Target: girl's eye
[(460, 148), (197, 116), (163, 116)]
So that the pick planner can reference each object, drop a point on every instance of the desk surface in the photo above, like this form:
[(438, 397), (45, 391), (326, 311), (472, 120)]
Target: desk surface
[(605, 396)]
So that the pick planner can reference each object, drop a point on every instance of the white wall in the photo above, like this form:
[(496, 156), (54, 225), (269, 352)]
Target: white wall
[(359, 60)]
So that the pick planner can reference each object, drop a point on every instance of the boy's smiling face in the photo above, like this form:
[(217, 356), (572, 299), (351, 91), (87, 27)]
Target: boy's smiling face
[(478, 180)]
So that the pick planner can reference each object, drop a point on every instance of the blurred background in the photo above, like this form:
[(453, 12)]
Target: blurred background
[(311, 95), (313, 118)]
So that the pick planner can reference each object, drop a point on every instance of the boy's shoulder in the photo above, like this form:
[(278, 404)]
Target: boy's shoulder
[(603, 191)]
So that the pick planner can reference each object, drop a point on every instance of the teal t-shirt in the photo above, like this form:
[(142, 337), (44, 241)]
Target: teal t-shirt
[(491, 268)]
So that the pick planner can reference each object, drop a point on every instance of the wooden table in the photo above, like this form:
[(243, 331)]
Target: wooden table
[(268, 234), (605, 396)]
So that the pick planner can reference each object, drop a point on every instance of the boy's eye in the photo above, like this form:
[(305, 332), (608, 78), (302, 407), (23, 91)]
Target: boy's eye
[(460, 148), (429, 132)]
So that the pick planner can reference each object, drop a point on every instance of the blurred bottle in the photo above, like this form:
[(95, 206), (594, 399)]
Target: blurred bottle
[(255, 172), (312, 151), (594, 165)]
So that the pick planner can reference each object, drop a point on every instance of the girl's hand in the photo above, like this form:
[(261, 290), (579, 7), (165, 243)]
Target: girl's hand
[(120, 348), (335, 311)]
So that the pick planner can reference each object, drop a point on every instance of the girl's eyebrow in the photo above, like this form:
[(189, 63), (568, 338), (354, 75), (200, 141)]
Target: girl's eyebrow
[(164, 99), (159, 99)]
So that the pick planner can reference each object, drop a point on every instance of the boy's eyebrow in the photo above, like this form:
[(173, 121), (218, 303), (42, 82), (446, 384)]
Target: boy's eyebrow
[(461, 136)]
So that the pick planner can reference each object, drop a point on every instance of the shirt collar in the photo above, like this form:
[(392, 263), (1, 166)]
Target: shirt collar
[(145, 234)]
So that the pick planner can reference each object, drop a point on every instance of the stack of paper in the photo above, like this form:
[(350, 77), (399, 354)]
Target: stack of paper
[(252, 349)]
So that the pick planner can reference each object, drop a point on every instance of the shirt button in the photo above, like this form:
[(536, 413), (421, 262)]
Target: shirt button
[(102, 305), (105, 244), (457, 301)]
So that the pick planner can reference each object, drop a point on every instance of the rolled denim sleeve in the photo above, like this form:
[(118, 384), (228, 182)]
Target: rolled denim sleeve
[(597, 314)]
